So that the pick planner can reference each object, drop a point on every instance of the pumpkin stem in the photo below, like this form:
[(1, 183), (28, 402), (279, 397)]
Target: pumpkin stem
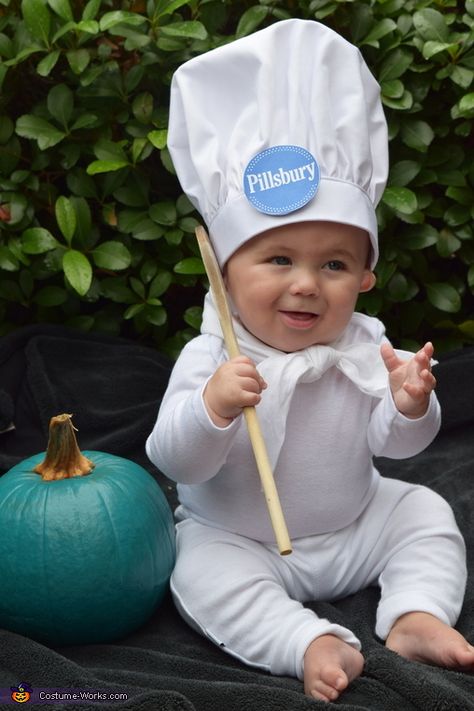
[(63, 456)]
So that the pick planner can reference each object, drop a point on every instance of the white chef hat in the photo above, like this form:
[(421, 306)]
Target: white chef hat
[(282, 126)]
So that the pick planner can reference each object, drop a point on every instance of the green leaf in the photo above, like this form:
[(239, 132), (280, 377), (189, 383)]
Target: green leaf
[(133, 311), (444, 297), (156, 315), (142, 107), (160, 284), (393, 89), (89, 26), (63, 30), (379, 30), (66, 217), (190, 265), (400, 199), (164, 7), (109, 151), (457, 215), (164, 213), (50, 296), (105, 166), (22, 55), (6, 128), (395, 64), (251, 20), (78, 271), (418, 237), (7, 261), (467, 327), (184, 205), (47, 64), (432, 48), (17, 205), (470, 277), (417, 134), (47, 135), (188, 224), (140, 147), (462, 77), (138, 287), (462, 195), (112, 255), (78, 60), (158, 138), (120, 17), (6, 46), (60, 103), (61, 8), (84, 233), (37, 240), (37, 18), (193, 317), (431, 25), (116, 289), (146, 231), (91, 9), (447, 244), (403, 172), (404, 103), (132, 196), (466, 105), (189, 30), (84, 121), (402, 289)]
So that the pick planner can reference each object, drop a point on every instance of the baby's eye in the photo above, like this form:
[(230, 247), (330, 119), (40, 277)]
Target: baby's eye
[(281, 261), (335, 265)]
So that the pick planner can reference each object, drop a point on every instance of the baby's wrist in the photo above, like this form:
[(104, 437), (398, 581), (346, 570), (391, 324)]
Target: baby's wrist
[(415, 413), (218, 419)]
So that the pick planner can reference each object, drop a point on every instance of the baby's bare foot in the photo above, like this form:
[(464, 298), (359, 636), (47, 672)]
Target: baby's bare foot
[(421, 637), (330, 664)]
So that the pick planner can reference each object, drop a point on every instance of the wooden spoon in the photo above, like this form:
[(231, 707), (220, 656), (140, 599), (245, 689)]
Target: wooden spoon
[(253, 426)]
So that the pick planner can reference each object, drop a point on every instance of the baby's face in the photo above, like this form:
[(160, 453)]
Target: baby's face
[(297, 285)]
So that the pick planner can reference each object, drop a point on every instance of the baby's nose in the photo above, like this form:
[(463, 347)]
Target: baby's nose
[(305, 282)]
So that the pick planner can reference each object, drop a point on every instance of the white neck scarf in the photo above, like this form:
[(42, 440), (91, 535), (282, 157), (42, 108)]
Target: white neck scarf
[(361, 363)]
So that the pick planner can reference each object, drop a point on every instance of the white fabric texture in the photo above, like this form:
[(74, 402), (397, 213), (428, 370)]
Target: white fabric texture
[(360, 362), (249, 601), (349, 526), (323, 486), (296, 82)]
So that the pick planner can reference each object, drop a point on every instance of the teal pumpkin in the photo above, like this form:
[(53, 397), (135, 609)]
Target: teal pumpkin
[(84, 557)]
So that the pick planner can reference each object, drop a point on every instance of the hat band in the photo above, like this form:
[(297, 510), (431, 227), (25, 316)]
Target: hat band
[(336, 201)]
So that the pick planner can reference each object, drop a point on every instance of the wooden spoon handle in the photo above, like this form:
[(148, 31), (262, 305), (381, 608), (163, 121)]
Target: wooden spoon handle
[(253, 426)]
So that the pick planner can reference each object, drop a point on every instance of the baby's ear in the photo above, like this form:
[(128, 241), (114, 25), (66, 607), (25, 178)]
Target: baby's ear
[(368, 281)]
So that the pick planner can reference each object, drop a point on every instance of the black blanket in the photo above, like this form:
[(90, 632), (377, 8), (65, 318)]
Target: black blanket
[(113, 387)]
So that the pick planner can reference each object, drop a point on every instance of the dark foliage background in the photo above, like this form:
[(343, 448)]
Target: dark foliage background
[(94, 232)]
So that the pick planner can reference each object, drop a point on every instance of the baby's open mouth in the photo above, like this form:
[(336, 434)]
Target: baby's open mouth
[(299, 319)]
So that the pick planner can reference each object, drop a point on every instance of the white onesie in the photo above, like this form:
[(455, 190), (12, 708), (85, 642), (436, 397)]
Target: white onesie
[(349, 526)]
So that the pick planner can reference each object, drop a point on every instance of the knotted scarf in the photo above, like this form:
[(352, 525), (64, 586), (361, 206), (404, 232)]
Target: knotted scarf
[(360, 362)]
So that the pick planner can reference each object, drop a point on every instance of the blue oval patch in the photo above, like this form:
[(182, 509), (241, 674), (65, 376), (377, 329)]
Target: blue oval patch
[(281, 179)]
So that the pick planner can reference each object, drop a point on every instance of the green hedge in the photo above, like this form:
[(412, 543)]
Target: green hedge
[(94, 232)]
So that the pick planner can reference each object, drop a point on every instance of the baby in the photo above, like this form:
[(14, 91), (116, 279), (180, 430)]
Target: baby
[(296, 237)]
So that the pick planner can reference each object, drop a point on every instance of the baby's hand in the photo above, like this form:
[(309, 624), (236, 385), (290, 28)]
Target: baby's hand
[(234, 385), (411, 381)]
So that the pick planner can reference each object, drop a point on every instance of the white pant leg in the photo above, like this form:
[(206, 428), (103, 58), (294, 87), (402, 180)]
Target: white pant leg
[(240, 594), (424, 558), (406, 541)]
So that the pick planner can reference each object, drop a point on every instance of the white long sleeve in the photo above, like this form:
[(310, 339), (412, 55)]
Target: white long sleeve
[(393, 435), (324, 474), (185, 444)]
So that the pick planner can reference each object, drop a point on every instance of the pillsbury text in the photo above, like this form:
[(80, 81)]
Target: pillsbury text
[(267, 180)]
